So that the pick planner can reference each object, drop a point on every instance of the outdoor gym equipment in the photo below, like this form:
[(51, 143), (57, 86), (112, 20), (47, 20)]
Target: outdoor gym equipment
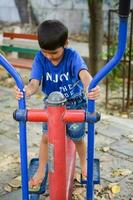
[(61, 167)]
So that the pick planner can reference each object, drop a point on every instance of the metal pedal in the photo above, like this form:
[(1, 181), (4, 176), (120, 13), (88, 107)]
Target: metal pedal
[(96, 171)]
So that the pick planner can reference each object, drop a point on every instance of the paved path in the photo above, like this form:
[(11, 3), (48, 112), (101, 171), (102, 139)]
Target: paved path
[(114, 133)]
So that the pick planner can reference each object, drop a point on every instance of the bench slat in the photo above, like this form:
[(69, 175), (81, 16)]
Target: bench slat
[(18, 49), (20, 43), (21, 62), (20, 35), (23, 43)]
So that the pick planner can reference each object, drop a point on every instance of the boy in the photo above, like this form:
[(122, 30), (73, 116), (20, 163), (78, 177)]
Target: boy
[(58, 68)]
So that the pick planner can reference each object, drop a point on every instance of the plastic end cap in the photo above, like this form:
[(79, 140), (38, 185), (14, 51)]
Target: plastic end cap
[(56, 98)]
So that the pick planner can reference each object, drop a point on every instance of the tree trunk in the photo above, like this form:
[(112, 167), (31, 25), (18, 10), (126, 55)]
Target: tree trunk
[(22, 6), (95, 35)]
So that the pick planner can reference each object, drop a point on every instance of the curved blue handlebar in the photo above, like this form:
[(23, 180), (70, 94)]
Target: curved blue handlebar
[(22, 127), (124, 8), (116, 59), (91, 103), (16, 76)]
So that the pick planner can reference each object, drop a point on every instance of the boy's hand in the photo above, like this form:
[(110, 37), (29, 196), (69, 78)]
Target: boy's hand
[(27, 91), (19, 94), (94, 94)]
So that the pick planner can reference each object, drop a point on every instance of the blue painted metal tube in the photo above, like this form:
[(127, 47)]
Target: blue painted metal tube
[(22, 127), (91, 103)]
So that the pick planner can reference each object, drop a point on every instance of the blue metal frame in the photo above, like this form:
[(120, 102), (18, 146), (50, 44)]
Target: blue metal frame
[(91, 104), (22, 127), (91, 109)]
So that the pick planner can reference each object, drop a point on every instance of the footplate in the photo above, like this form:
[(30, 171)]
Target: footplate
[(34, 163), (96, 171)]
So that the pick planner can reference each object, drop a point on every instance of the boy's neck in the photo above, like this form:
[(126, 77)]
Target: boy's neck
[(56, 62)]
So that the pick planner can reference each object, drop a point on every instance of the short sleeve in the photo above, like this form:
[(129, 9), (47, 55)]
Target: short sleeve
[(78, 64), (37, 69)]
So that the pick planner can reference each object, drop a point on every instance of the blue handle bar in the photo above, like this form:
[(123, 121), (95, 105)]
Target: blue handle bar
[(22, 127), (124, 8), (91, 103), (15, 75), (117, 57)]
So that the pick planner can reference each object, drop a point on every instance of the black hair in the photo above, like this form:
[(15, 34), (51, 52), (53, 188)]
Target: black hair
[(52, 34)]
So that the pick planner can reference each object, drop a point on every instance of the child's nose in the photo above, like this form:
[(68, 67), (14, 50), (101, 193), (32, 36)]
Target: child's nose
[(48, 56)]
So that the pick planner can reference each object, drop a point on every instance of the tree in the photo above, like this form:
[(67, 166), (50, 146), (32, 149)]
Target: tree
[(95, 34), (22, 6)]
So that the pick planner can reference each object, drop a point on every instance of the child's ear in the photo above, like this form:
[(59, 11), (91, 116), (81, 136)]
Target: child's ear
[(66, 43)]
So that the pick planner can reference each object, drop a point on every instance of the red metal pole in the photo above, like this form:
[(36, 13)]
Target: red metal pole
[(62, 153), (74, 116), (37, 115), (57, 153)]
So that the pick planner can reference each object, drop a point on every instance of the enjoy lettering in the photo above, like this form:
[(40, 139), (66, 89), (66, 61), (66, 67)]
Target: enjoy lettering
[(56, 77)]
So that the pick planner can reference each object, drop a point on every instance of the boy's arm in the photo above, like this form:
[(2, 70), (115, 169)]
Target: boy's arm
[(86, 78), (32, 87), (29, 89)]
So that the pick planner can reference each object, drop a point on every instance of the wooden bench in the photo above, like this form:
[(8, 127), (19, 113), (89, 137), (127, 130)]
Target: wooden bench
[(25, 46)]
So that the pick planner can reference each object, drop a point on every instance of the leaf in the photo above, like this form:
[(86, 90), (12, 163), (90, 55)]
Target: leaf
[(98, 188), (77, 177), (7, 188), (105, 149), (125, 172), (121, 172), (130, 137), (114, 187), (98, 149), (16, 182)]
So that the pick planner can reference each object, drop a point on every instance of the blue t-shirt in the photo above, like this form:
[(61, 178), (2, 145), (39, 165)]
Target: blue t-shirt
[(63, 77)]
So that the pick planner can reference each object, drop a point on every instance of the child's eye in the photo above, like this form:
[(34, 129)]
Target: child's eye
[(54, 53)]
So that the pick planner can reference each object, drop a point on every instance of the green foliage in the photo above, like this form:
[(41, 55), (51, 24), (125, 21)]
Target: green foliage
[(115, 76), (127, 53), (115, 79)]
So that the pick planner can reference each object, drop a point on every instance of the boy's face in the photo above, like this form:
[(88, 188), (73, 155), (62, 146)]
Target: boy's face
[(54, 55)]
